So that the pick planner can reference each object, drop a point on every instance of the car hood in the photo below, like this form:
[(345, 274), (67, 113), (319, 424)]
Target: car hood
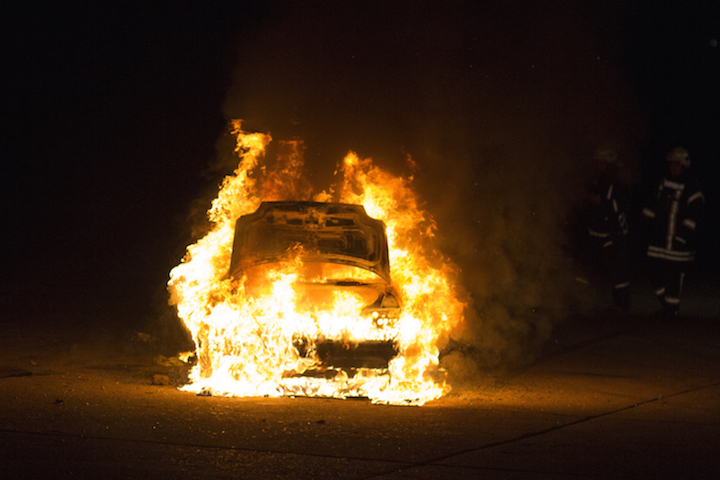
[(323, 232)]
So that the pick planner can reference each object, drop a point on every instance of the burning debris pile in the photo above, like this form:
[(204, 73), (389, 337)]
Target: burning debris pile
[(260, 330)]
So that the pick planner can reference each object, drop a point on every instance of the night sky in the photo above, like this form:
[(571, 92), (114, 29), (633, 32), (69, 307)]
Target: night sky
[(113, 115)]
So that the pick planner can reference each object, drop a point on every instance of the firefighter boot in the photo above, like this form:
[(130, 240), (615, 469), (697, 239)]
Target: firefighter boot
[(671, 312), (621, 298)]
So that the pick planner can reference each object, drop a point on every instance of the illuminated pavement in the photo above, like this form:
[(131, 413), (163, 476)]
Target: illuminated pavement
[(609, 398)]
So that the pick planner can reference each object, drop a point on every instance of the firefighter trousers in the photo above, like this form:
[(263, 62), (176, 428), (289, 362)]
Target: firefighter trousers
[(666, 278)]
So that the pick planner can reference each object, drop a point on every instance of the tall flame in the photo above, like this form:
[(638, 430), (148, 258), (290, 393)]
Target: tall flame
[(243, 328)]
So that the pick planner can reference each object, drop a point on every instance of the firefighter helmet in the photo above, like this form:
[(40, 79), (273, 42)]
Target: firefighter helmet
[(606, 154), (680, 155)]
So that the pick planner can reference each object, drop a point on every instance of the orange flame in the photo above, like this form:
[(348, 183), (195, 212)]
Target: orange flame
[(243, 328)]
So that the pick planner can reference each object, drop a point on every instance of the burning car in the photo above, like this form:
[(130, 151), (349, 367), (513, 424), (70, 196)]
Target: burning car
[(340, 257), (295, 298)]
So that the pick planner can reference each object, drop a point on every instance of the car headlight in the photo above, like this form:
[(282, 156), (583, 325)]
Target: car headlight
[(384, 312)]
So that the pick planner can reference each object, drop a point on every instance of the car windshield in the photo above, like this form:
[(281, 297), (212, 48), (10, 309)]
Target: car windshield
[(340, 240)]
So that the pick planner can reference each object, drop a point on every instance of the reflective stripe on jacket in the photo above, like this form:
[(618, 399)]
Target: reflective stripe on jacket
[(673, 215)]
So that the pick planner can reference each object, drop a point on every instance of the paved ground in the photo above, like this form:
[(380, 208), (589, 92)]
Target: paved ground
[(608, 398)]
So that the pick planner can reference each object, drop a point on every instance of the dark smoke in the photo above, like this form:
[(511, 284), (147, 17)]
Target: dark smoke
[(499, 106)]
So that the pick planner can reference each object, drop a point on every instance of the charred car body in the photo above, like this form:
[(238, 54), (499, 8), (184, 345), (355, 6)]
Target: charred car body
[(346, 252)]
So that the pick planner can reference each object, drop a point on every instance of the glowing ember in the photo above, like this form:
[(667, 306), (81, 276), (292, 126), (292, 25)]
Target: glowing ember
[(260, 329)]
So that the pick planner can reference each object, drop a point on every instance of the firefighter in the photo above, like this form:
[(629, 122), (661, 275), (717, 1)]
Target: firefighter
[(606, 227), (673, 213)]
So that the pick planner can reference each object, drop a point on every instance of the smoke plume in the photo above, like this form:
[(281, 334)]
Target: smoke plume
[(499, 107)]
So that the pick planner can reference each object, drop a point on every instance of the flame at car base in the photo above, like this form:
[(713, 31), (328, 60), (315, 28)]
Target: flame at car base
[(254, 333)]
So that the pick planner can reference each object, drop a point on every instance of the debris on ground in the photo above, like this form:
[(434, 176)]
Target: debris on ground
[(161, 380), (169, 361)]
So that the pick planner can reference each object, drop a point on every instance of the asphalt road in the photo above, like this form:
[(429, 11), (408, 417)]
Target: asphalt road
[(609, 397)]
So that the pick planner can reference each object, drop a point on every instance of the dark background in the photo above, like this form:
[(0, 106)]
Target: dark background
[(114, 115)]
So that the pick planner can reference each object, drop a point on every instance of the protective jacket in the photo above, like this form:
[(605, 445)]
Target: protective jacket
[(606, 220), (673, 214)]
